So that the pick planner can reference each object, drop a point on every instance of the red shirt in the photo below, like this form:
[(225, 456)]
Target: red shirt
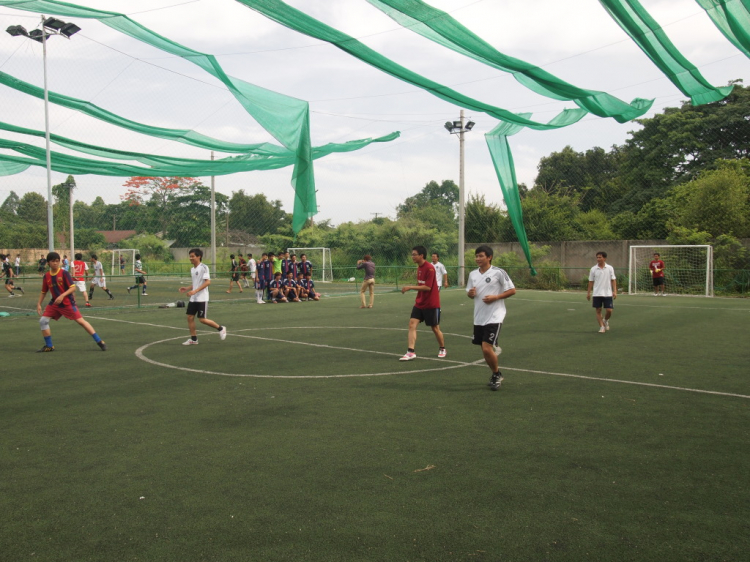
[(79, 270), (654, 265), (426, 276), (57, 284)]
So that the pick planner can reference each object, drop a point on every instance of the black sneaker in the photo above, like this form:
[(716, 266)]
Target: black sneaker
[(496, 381), (111, 297), (46, 349), (20, 290), (102, 345)]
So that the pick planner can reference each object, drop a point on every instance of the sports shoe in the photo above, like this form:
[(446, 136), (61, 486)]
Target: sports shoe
[(11, 296), (129, 289), (20, 290), (46, 349), (602, 330), (223, 333), (88, 304), (496, 381), (497, 350), (191, 342), (408, 356), (144, 295), (102, 345), (442, 352), (606, 325), (111, 297)]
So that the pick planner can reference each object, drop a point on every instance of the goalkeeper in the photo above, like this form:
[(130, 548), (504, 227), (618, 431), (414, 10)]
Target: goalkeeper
[(657, 273)]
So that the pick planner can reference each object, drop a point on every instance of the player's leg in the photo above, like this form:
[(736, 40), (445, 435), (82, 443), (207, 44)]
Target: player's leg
[(432, 319), (599, 318), (46, 333), (362, 291), (412, 336), (90, 330)]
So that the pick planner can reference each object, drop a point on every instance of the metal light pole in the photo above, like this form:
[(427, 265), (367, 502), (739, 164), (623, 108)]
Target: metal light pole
[(213, 222), (458, 127), (49, 26), (72, 230)]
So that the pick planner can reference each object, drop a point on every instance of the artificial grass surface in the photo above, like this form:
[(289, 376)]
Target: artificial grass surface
[(108, 457)]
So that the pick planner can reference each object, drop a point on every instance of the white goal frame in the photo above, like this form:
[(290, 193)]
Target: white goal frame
[(640, 278), (323, 269), (116, 260)]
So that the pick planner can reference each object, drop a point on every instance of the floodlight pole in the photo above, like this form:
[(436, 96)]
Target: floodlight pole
[(213, 222), (50, 216), (458, 127), (72, 230)]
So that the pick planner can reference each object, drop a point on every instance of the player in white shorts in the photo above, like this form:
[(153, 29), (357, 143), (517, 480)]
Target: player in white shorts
[(98, 280)]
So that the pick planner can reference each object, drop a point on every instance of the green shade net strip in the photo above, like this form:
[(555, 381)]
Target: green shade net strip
[(732, 17), (502, 159), (287, 119), (159, 166), (244, 163), (299, 21), (441, 28), (653, 41)]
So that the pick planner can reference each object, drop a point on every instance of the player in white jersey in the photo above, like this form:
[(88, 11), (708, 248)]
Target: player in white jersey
[(603, 281), (98, 280), (489, 286), (441, 274), (198, 305)]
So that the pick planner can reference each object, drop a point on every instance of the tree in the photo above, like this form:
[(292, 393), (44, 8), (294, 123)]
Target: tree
[(10, 205), (444, 194), (62, 193), (159, 194), (256, 215), (32, 208), (484, 223)]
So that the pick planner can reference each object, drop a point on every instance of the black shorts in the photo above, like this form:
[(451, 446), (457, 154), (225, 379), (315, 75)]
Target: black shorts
[(140, 280), (430, 316), (8, 281), (606, 302), (235, 276), (658, 281), (487, 333), (196, 309)]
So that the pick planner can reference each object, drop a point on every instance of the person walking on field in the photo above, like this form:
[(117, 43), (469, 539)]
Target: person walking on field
[(234, 275), (427, 305), (657, 273), (61, 286), (198, 304), (80, 275), (368, 265), (440, 272), (98, 280), (140, 276), (488, 287), (603, 281)]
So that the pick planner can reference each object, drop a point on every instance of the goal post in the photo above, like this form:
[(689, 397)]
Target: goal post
[(129, 255), (322, 269), (688, 269)]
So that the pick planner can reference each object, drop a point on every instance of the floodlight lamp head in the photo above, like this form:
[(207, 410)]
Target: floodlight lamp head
[(448, 126), (16, 30), (69, 29), (457, 125), (54, 24), (38, 35), (470, 125)]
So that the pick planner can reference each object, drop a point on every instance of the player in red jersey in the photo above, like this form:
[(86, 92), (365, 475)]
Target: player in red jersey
[(60, 284), (80, 275), (657, 273), (427, 306)]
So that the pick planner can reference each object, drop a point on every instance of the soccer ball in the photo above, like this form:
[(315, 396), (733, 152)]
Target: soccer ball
[(352, 279)]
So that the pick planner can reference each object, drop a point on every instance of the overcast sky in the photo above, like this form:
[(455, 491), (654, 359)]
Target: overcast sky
[(575, 40)]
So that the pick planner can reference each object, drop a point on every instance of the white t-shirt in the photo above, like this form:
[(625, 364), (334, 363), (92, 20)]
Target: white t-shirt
[(251, 265), (494, 281), (98, 269), (199, 275), (18, 261), (602, 278), (439, 272)]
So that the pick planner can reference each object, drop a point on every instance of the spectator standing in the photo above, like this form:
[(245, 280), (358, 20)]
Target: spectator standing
[(368, 265)]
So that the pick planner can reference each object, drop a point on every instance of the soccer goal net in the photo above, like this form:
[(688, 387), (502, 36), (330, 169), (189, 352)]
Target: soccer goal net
[(123, 261), (322, 270), (688, 270)]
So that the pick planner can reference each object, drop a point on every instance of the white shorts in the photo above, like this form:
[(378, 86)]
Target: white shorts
[(99, 282), (81, 286)]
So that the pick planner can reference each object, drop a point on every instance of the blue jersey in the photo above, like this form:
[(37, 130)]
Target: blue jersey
[(276, 284), (290, 284), (284, 268), (293, 266), (308, 285), (305, 267), (265, 270)]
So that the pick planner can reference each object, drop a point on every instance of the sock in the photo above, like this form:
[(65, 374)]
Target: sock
[(108, 292), (91, 293), (96, 337), (194, 338), (48, 341), (144, 289), (410, 350), (220, 328)]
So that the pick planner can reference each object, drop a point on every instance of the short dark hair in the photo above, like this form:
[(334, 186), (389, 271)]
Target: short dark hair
[(78, 256), (249, 255), (277, 273), (657, 254), (231, 256), (421, 250), (602, 254), (93, 257), (436, 254), (486, 250), (52, 256), (138, 256), (271, 254), (367, 257), (197, 252)]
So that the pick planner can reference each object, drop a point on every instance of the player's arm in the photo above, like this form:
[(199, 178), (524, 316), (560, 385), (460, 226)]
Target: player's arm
[(614, 288), (471, 290), (206, 283), (445, 279), (41, 298), (504, 295), (588, 293)]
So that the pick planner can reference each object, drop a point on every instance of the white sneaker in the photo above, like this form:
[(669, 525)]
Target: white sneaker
[(606, 325), (497, 350), (223, 333), (442, 352), (602, 330), (408, 356), (191, 342)]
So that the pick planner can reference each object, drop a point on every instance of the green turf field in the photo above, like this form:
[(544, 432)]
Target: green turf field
[(302, 437)]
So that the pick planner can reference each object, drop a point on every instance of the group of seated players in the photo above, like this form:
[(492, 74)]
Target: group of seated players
[(277, 278)]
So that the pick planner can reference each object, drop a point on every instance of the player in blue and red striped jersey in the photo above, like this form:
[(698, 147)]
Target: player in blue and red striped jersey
[(263, 278), (306, 288), (305, 266), (293, 266), (276, 289), (60, 285), (291, 290)]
